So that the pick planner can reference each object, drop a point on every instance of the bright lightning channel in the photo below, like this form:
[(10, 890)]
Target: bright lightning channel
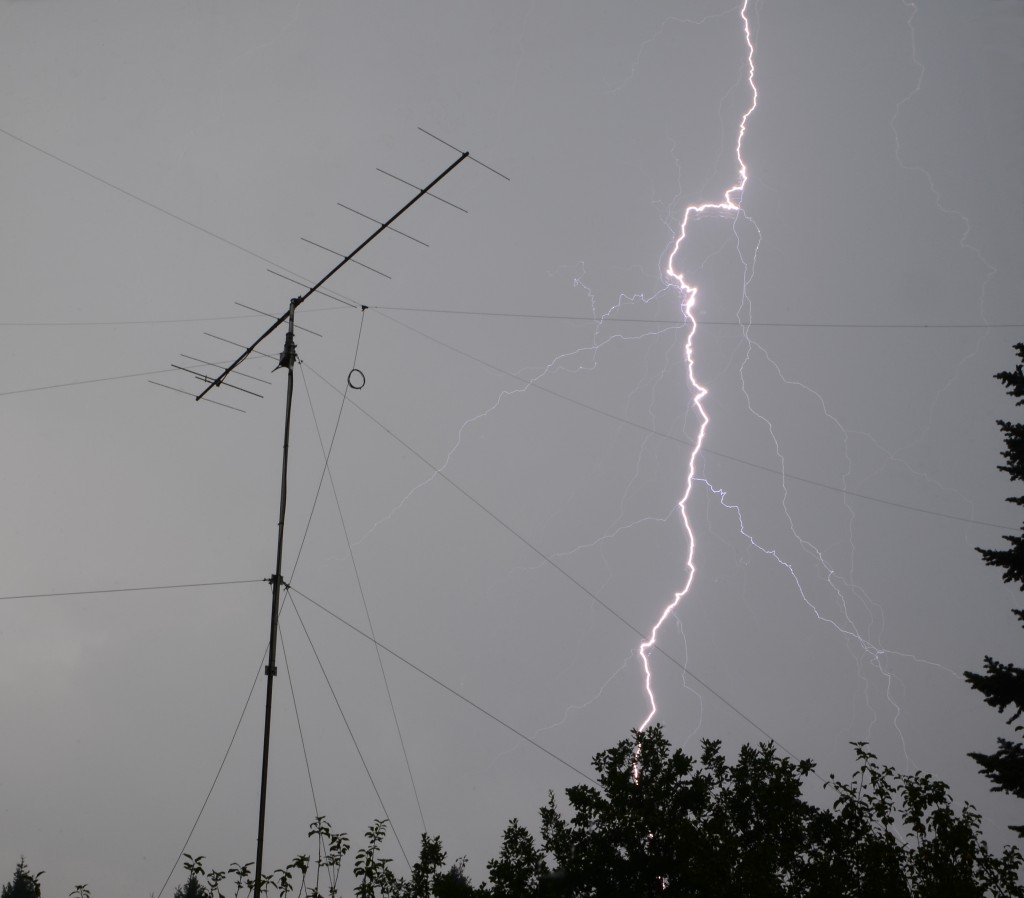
[(730, 205), (585, 359)]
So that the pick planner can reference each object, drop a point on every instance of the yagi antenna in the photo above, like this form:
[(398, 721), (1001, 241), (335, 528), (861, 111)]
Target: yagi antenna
[(287, 361), (299, 300)]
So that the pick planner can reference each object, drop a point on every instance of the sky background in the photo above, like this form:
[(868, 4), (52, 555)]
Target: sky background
[(158, 158)]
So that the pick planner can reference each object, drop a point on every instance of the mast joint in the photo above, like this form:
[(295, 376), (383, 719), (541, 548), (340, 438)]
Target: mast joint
[(287, 358), (277, 580)]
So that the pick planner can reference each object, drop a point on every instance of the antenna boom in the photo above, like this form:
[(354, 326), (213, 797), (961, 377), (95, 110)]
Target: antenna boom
[(298, 301)]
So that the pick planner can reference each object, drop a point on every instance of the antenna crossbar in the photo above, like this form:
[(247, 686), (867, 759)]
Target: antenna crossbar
[(205, 378), (265, 355), (269, 315), (426, 190), (235, 408), (337, 297), (336, 253), (374, 220), (192, 358), (457, 150)]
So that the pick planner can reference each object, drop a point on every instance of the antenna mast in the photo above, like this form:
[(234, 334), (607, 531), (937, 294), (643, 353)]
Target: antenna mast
[(287, 360)]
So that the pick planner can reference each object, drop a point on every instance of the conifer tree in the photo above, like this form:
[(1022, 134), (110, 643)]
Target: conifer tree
[(1002, 684), (25, 884)]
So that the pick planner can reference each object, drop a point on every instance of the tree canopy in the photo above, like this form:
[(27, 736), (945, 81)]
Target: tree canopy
[(1002, 684), (24, 883), (661, 824), (657, 821)]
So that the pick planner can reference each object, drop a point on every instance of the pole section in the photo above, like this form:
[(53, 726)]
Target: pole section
[(287, 361)]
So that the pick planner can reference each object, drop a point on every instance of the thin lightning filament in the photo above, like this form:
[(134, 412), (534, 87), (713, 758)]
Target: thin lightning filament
[(728, 205)]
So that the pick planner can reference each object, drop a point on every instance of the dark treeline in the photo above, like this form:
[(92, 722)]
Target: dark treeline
[(658, 822)]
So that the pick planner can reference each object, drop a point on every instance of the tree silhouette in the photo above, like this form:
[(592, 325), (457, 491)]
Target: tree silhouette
[(192, 888), (1003, 684), (24, 884), (519, 867), (657, 822), (661, 824)]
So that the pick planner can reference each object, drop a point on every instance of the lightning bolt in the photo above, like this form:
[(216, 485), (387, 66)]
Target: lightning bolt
[(838, 610), (728, 205), (842, 589)]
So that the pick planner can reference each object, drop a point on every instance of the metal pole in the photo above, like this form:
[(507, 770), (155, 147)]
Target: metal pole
[(287, 361)]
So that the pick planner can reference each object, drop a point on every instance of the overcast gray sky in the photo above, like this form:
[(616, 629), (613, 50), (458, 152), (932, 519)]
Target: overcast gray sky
[(157, 158)]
